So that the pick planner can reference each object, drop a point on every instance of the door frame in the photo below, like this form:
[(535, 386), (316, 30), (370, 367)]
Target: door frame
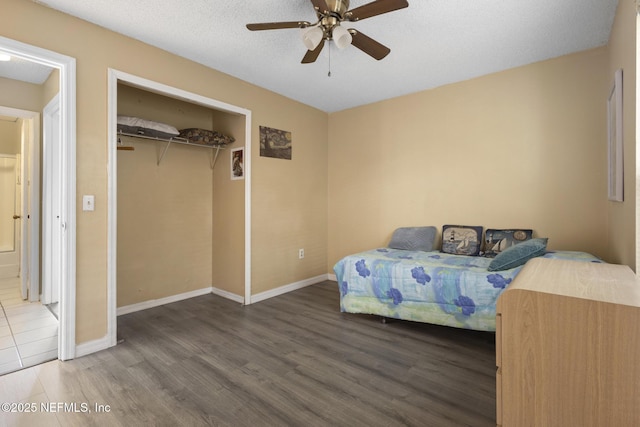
[(67, 150), (112, 223)]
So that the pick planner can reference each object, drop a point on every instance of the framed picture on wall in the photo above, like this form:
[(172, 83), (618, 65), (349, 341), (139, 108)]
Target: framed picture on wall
[(275, 143), (615, 140), (237, 163)]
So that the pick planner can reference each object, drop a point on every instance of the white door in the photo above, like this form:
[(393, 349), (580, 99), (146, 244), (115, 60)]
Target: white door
[(30, 186), (9, 216), (51, 203)]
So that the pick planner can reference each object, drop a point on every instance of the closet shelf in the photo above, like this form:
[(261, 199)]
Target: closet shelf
[(169, 141)]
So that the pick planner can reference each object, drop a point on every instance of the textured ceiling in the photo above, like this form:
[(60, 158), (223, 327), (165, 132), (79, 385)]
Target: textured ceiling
[(24, 70), (432, 42)]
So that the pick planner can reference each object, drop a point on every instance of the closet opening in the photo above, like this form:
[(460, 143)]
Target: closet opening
[(179, 219)]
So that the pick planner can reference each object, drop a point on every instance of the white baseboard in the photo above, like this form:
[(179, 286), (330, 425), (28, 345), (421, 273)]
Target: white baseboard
[(162, 301), (93, 346), (287, 288), (228, 295), (332, 277)]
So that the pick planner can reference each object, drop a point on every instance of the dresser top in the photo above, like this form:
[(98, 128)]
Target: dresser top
[(610, 283)]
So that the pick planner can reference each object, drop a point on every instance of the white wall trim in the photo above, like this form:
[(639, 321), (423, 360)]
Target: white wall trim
[(247, 208), (113, 77), (288, 288), (220, 292), (132, 308), (228, 295), (332, 277), (67, 67), (112, 206), (89, 347)]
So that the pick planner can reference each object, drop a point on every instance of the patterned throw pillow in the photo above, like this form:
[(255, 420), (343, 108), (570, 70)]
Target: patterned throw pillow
[(496, 240), (461, 239), (205, 137)]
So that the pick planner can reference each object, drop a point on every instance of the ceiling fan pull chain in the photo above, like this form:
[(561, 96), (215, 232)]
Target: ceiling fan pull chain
[(329, 73)]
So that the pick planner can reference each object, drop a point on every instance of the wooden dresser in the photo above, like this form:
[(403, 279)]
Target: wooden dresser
[(568, 346)]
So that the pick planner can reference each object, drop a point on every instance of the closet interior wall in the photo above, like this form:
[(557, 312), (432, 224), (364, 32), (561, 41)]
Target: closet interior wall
[(180, 222)]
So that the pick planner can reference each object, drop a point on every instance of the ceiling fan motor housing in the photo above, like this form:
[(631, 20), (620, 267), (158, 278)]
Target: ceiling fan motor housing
[(338, 7), (335, 15)]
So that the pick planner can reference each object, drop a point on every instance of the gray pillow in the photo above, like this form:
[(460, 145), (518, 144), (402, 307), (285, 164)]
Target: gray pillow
[(413, 238), (517, 255)]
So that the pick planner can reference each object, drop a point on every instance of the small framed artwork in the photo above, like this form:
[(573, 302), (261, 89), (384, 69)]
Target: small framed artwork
[(237, 163), (615, 140), (275, 143)]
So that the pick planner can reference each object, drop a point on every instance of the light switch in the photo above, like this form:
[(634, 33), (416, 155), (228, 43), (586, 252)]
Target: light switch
[(88, 202)]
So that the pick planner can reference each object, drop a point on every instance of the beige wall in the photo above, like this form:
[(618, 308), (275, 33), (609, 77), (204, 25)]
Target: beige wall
[(520, 148), (164, 211), (51, 87), (29, 96), (10, 136), (228, 211), (289, 198), (20, 95), (621, 217), (289, 203), (535, 136)]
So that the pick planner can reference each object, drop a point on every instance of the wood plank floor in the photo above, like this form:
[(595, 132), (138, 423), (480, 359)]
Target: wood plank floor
[(293, 360)]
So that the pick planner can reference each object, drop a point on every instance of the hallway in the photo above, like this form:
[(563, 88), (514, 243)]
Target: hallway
[(28, 331)]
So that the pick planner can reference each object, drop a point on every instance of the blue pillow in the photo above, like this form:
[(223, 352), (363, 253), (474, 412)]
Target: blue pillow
[(413, 238), (517, 255), (497, 240)]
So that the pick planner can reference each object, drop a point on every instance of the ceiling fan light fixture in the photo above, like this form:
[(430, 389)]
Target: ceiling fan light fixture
[(341, 37), (311, 37), (331, 14)]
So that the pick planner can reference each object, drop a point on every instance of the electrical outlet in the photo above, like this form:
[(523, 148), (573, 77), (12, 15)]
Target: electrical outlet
[(300, 253)]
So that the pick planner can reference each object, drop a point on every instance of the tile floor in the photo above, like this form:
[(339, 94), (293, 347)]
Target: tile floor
[(28, 331)]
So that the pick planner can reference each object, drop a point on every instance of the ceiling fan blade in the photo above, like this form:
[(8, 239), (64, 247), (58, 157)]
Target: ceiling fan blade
[(375, 8), (277, 25), (312, 55), (320, 5), (368, 45)]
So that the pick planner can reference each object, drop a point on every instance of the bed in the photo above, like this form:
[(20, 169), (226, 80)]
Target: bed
[(428, 286)]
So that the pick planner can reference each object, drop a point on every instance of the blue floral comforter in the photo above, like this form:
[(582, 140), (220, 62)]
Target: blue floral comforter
[(432, 287)]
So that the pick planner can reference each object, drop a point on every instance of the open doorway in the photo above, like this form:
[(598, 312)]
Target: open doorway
[(20, 197), (29, 332), (55, 198)]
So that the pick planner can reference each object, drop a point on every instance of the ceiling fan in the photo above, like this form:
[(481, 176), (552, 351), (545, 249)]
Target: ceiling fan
[(331, 13)]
